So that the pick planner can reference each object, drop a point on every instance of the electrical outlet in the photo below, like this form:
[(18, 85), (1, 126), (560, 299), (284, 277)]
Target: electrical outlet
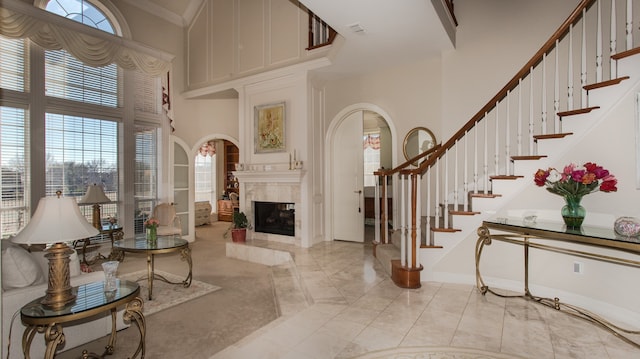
[(578, 267)]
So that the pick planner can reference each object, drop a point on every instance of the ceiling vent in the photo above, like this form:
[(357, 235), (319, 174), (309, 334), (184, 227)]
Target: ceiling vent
[(357, 28)]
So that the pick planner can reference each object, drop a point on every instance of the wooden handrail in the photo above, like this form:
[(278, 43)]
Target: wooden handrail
[(536, 59), (400, 167)]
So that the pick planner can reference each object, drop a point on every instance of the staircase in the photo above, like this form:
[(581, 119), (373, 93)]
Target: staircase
[(529, 124)]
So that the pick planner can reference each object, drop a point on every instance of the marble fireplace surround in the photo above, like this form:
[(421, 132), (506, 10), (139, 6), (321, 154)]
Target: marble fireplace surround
[(282, 186)]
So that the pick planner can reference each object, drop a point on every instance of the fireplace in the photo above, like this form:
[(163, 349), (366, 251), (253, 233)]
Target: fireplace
[(274, 218)]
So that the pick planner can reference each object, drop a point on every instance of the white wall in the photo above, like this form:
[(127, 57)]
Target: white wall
[(494, 39), (410, 94)]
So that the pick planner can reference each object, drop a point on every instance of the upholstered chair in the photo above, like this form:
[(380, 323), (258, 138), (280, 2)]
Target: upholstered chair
[(170, 223)]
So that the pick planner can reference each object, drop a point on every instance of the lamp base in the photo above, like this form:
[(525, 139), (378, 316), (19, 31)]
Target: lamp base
[(96, 217), (59, 292)]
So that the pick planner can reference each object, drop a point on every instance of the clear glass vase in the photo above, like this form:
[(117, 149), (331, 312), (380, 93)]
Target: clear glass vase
[(573, 213), (152, 235)]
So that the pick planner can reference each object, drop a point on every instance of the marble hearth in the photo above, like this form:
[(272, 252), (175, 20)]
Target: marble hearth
[(282, 186)]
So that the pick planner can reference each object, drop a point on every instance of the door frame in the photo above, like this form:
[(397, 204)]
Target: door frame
[(192, 155), (329, 155)]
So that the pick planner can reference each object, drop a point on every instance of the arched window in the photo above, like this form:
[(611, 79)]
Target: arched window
[(81, 109), (81, 148)]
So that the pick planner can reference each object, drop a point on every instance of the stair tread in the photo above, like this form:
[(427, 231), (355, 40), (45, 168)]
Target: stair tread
[(605, 83), (623, 54), (553, 135), (524, 158), (485, 195), (438, 229), (464, 213), (578, 111), (505, 177)]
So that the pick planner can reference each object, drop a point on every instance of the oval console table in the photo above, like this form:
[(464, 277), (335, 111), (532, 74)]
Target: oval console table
[(548, 236)]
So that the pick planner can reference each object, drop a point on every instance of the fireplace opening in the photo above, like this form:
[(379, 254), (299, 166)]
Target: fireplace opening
[(274, 218)]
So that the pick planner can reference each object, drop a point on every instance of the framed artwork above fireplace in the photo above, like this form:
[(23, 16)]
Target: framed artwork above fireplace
[(269, 130)]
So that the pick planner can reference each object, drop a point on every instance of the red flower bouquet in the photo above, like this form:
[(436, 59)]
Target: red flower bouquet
[(572, 184)]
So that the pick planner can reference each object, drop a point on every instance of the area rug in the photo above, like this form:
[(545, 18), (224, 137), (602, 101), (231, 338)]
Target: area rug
[(435, 353), (167, 295)]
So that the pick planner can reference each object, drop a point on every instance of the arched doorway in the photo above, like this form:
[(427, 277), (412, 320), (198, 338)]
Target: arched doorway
[(359, 140), (215, 157)]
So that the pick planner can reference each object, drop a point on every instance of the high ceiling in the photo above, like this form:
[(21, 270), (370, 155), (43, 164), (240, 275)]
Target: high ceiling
[(394, 32)]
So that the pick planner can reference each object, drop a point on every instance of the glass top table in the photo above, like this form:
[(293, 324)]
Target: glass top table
[(583, 242), (163, 244), (590, 235), (91, 300)]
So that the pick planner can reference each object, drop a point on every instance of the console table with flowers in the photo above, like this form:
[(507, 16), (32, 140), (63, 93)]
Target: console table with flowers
[(548, 236)]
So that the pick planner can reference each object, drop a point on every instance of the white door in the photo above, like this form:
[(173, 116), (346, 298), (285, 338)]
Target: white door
[(347, 181)]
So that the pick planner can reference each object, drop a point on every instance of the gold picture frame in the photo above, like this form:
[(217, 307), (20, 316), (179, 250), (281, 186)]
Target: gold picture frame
[(269, 128)]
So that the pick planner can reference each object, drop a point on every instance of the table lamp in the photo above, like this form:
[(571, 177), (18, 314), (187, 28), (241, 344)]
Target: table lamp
[(95, 196), (56, 220)]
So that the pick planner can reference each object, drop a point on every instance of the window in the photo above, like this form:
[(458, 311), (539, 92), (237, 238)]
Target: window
[(146, 187), (79, 152), (84, 12), (81, 114), (12, 58), (14, 157), (371, 144), (205, 178), (68, 78)]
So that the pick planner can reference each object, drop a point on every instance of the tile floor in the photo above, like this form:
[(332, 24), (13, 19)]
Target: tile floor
[(337, 302)]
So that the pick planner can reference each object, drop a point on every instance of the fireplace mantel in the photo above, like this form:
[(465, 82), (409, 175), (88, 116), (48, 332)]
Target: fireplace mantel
[(288, 176)]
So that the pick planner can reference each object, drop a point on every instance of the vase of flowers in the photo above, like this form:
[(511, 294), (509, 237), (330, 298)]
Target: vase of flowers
[(573, 183), (151, 226)]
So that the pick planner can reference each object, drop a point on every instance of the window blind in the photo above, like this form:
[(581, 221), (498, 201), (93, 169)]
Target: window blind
[(147, 93), (14, 157), (68, 78), (80, 151), (145, 183), (12, 64)]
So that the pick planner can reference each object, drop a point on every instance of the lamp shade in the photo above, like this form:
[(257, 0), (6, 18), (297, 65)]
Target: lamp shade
[(57, 219), (95, 195)]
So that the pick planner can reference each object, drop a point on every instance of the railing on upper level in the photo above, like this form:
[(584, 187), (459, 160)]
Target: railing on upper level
[(320, 34), (449, 4), (508, 126)]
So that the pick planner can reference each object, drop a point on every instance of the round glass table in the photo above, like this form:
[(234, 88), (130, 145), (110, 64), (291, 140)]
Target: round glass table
[(163, 244)]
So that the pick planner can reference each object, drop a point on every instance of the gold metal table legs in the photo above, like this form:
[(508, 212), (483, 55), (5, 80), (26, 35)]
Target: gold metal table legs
[(486, 239), (54, 336), (185, 254)]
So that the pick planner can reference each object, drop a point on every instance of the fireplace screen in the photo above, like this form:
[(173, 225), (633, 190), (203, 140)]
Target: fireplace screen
[(274, 218)]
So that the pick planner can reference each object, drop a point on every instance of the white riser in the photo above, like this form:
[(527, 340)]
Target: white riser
[(507, 186)]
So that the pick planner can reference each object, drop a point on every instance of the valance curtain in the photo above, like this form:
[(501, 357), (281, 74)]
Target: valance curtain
[(372, 141), (91, 46), (207, 149)]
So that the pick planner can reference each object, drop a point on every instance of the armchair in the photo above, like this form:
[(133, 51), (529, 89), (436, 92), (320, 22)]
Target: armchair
[(170, 223)]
